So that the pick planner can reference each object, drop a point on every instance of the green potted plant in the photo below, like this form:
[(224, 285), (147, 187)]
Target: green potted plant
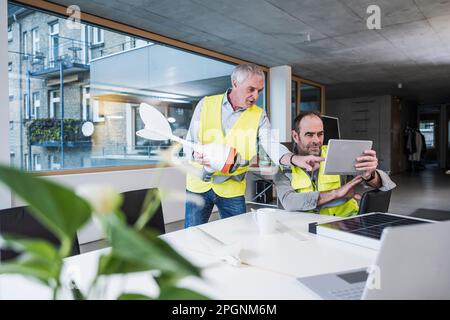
[(48, 132), (64, 211)]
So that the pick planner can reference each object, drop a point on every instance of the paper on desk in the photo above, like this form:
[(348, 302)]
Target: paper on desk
[(227, 252)]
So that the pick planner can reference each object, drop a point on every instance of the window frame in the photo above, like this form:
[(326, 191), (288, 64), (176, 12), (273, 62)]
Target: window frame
[(34, 105), (10, 33), (37, 161), (35, 44), (26, 106), (25, 44), (96, 35), (52, 101), (95, 21), (51, 35)]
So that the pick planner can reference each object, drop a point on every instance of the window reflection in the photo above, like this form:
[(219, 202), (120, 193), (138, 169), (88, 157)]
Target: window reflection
[(62, 77), (309, 97)]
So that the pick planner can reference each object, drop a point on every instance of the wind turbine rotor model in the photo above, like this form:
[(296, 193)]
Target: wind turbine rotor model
[(222, 158)]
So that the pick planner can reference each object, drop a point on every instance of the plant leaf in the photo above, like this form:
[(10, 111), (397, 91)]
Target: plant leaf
[(54, 205), (33, 267), (145, 248), (113, 264), (171, 293), (38, 248), (76, 292), (134, 296), (151, 203)]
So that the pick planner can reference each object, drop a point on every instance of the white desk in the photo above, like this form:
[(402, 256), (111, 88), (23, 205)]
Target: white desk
[(271, 262)]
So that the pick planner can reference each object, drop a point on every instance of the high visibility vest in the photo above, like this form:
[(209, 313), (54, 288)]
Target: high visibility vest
[(242, 136), (301, 182)]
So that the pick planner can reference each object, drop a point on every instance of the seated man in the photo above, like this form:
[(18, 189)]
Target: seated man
[(300, 190)]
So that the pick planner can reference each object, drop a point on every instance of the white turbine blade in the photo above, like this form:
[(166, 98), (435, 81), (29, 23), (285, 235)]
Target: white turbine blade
[(154, 120), (151, 135), (157, 127)]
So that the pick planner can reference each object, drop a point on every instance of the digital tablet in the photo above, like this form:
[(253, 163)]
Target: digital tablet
[(342, 154)]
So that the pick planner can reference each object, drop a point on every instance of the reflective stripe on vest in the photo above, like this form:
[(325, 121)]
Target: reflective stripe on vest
[(301, 182), (242, 136)]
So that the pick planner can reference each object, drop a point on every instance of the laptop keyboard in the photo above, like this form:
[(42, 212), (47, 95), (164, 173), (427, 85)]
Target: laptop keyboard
[(353, 293)]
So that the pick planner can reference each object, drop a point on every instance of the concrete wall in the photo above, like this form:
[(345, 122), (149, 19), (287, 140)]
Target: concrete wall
[(367, 118), (280, 101)]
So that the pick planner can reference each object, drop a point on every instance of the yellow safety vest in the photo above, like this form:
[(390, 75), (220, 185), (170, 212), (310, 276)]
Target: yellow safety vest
[(242, 136), (301, 182)]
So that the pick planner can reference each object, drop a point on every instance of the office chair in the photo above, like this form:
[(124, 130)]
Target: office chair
[(375, 201), (132, 206), (20, 222)]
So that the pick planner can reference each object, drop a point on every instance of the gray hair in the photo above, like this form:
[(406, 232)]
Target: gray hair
[(242, 71)]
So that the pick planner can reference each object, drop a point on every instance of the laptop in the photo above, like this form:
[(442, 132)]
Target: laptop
[(413, 262)]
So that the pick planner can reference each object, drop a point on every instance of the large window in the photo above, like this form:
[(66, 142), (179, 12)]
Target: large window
[(427, 128), (310, 97), (36, 105), (25, 45), (54, 104), (76, 101), (294, 102), (35, 42), (96, 35), (26, 106), (10, 35), (86, 114), (53, 42), (305, 97)]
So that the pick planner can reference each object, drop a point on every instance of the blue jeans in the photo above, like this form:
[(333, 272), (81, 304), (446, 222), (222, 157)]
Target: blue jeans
[(228, 207)]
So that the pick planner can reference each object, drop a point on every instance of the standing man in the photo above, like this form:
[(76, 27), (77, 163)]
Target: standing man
[(232, 118), (315, 191)]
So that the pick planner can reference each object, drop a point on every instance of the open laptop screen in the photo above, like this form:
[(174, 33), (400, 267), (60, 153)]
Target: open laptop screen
[(354, 277)]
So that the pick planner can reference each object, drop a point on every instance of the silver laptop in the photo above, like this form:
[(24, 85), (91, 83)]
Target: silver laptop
[(413, 263)]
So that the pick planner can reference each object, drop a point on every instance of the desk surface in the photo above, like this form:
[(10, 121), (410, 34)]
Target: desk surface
[(271, 263)]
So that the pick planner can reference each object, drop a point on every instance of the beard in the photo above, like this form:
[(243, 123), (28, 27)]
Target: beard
[(312, 149)]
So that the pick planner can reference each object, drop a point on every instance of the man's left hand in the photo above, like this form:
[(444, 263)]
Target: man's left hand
[(367, 163)]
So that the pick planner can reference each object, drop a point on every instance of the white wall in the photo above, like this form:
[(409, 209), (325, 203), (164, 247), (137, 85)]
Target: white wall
[(166, 179), (5, 195), (280, 101)]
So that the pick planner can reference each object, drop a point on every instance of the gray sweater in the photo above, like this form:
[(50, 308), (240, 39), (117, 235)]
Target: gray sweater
[(307, 201)]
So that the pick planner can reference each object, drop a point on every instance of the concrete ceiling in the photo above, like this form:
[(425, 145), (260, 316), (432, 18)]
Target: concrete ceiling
[(412, 47)]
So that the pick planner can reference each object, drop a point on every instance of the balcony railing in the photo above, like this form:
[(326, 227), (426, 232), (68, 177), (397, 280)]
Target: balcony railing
[(47, 133)]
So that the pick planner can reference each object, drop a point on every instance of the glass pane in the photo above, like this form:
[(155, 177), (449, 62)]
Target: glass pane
[(293, 101), (309, 97), (261, 102), (103, 86), (427, 129)]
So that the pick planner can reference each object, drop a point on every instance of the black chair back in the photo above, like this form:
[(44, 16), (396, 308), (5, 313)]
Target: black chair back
[(375, 201), (132, 207), (20, 222)]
